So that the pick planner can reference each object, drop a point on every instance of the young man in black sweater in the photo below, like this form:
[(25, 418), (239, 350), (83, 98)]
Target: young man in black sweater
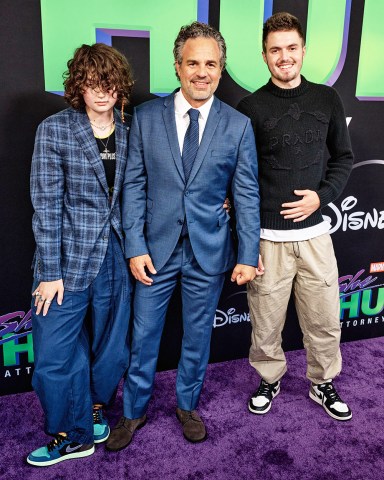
[(294, 122)]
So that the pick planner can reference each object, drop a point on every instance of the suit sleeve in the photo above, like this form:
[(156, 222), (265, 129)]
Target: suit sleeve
[(134, 196), (245, 189), (47, 194)]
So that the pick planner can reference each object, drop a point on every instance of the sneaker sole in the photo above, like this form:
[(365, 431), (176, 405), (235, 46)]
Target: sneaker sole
[(317, 400), (263, 412), (70, 456), (103, 439)]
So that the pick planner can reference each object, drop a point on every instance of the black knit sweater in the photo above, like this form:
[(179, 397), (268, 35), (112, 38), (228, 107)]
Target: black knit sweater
[(293, 128)]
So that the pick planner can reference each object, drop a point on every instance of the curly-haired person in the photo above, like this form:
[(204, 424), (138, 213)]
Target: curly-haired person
[(77, 173)]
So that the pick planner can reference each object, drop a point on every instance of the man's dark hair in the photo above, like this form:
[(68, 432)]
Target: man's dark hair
[(97, 66), (196, 30), (281, 21)]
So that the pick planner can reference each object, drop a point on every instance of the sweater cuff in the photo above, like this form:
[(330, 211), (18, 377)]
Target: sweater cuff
[(326, 196)]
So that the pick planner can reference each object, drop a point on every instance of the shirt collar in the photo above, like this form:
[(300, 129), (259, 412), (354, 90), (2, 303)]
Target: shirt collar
[(182, 106)]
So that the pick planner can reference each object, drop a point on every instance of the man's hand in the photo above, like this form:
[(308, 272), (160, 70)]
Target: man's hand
[(138, 265), (302, 209), (227, 205), (260, 268), (243, 274), (45, 293)]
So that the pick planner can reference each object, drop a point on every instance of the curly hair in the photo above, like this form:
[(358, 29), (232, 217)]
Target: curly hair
[(97, 66), (196, 30), (281, 21)]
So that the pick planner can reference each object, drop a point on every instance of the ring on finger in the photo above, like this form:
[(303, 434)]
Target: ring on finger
[(48, 302), (41, 299)]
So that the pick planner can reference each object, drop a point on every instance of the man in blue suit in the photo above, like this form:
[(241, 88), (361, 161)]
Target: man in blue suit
[(187, 152)]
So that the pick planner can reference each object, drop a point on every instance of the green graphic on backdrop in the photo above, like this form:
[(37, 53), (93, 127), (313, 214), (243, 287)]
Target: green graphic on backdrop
[(63, 31), (325, 29), (371, 68), (242, 30), (246, 65), (70, 23)]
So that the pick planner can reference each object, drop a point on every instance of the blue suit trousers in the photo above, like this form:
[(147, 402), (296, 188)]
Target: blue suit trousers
[(200, 295), (73, 370)]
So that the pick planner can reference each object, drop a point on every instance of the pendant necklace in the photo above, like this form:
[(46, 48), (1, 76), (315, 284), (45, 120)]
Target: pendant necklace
[(105, 145)]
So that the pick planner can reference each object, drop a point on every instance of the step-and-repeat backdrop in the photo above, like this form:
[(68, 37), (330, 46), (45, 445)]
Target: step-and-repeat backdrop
[(344, 49)]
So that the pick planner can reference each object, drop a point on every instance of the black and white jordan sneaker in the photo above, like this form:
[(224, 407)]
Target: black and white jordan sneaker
[(261, 400), (325, 394)]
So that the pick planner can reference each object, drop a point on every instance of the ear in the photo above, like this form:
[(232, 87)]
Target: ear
[(264, 57), (304, 51), (177, 68)]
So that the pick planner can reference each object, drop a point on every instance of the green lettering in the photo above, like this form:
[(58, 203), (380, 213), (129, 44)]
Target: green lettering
[(68, 24), (324, 40), (242, 29), (13, 348), (370, 75), (353, 305), (366, 308)]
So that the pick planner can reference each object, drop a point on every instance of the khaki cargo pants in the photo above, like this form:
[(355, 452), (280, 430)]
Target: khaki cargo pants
[(308, 268)]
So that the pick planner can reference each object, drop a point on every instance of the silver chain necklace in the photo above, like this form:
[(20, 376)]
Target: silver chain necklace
[(102, 127)]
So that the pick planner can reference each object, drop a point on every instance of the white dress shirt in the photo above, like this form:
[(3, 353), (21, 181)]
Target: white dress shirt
[(182, 117)]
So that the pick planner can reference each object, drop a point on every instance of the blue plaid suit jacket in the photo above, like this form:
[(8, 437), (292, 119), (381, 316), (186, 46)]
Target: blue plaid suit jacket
[(73, 215)]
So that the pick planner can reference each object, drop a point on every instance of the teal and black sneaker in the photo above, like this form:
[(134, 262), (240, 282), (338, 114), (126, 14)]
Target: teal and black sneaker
[(101, 428), (59, 449)]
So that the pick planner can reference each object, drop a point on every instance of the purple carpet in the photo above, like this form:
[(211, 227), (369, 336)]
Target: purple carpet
[(295, 440)]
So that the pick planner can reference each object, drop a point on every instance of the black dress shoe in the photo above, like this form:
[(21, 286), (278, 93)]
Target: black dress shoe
[(193, 427), (121, 435)]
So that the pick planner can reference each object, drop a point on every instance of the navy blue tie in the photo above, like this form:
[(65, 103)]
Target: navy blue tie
[(191, 143), (190, 148)]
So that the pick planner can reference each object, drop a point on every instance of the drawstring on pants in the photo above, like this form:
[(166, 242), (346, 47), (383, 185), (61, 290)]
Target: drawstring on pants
[(296, 249)]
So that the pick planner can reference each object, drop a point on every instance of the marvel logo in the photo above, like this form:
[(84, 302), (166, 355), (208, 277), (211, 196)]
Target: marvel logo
[(377, 267)]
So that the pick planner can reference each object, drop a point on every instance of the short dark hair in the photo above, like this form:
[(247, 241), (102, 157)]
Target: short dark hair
[(97, 66), (281, 21), (196, 30)]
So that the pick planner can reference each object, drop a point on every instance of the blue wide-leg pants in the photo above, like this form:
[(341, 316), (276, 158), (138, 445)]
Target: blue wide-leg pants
[(73, 372)]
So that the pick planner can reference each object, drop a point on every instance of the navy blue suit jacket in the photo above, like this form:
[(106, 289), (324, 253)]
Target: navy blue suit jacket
[(156, 198)]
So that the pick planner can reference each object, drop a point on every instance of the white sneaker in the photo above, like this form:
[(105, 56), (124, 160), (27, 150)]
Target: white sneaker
[(325, 394), (261, 400)]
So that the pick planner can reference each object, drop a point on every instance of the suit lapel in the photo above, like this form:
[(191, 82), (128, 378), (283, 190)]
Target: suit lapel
[(170, 127), (209, 130), (82, 130)]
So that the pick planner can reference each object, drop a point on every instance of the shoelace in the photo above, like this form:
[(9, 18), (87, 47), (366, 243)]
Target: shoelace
[(122, 423), (329, 391), (192, 415), (56, 442), (97, 415), (264, 390)]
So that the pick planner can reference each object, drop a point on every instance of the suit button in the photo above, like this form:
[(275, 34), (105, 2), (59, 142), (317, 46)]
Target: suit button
[(186, 193), (180, 222)]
